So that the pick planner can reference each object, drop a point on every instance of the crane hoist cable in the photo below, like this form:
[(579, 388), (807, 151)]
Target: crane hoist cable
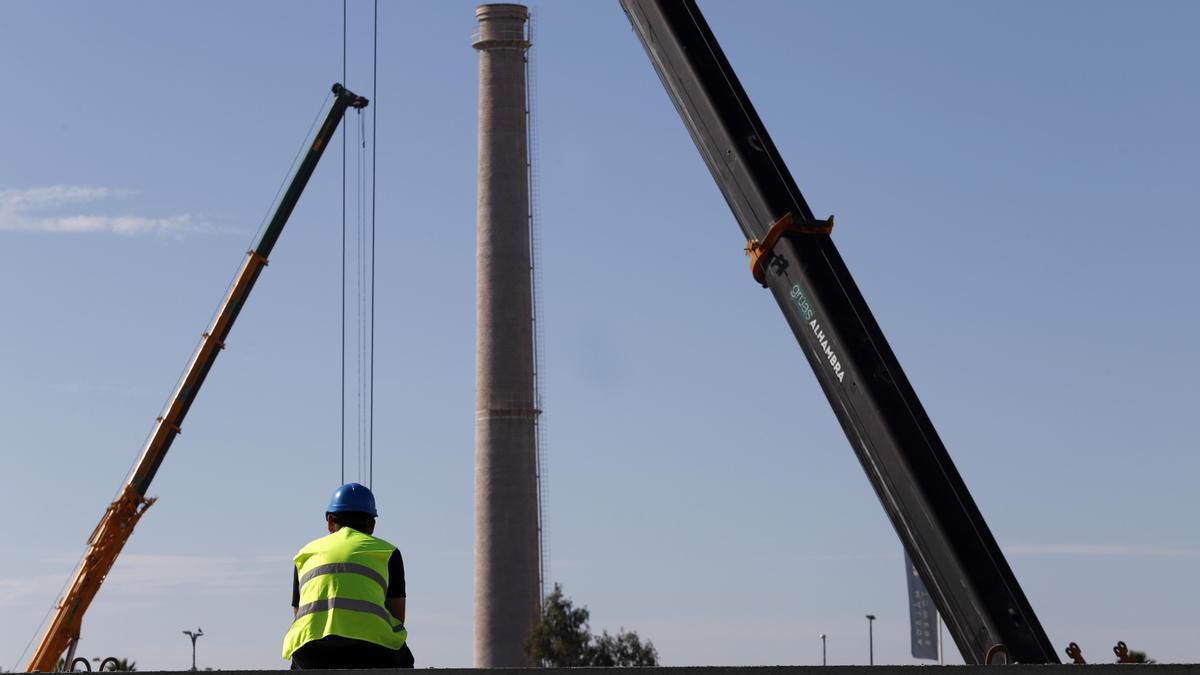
[(374, 138), (343, 353), (359, 317)]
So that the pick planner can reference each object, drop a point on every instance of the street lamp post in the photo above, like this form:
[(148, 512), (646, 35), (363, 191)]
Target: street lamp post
[(193, 636), (871, 639), (822, 649)]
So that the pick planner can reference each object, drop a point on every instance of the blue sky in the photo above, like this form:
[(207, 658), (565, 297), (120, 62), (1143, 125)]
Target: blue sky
[(1014, 187)]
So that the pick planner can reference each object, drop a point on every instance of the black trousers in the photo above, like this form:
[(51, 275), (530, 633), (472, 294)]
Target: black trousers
[(335, 652)]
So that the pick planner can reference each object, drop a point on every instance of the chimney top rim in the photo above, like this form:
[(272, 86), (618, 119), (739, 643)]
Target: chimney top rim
[(503, 10)]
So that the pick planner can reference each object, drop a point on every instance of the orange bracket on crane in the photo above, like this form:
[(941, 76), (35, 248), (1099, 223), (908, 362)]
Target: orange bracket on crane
[(760, 249)]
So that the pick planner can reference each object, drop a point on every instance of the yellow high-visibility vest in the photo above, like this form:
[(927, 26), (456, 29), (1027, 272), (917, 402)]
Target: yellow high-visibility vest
[(343, 584)]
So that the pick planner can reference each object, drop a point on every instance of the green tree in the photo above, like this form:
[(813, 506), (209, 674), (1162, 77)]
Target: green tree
[(623, 649), (1139, 657), (563, 639)]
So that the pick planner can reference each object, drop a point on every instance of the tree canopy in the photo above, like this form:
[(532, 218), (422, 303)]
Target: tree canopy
[(563, 639), (1136, 656)]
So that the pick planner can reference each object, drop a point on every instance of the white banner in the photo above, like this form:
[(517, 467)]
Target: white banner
[(922, 616)]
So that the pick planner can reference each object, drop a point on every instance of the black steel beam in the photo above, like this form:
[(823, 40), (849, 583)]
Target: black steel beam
[(342, 100), (920, 489)]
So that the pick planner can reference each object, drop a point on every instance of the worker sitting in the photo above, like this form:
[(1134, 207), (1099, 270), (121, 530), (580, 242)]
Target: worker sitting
[(348, 593)]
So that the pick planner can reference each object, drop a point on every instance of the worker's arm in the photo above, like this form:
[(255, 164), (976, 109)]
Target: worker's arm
[(396, 591), (295, 592), (396, 607)]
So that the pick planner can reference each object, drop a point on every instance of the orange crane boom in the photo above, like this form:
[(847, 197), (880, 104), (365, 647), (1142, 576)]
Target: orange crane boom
[(115, 527), (104, 546)]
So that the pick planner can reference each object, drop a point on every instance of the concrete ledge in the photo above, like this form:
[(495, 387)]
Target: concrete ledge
[(1097, 669)]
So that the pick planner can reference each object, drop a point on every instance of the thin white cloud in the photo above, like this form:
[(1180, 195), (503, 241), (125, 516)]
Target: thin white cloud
[(23, 590), (1102, 550), (54, 196), (94, 388), (1086, 550), (143, 574), (148, 574), (25, 210)]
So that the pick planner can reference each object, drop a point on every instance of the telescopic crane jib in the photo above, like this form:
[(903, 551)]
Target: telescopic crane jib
[(793, 255), (122, 515)]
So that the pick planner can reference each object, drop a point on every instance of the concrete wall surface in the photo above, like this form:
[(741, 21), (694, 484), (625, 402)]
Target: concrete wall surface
[(1090, 669)]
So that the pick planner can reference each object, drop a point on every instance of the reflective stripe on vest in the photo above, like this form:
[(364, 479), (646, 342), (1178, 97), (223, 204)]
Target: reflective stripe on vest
[(352, 605), (345, 568)]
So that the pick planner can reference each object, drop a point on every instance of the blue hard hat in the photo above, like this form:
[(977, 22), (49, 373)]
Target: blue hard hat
[(352, 497)]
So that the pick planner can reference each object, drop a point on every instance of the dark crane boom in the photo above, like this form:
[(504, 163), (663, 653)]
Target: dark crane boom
[(792, 254)]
